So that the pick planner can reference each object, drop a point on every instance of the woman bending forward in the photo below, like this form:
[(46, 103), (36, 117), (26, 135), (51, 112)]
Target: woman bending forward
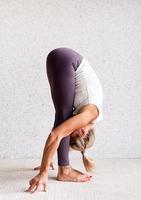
[(77, 96)]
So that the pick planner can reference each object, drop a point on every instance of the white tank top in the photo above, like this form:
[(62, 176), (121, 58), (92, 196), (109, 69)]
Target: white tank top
[(88, 89)]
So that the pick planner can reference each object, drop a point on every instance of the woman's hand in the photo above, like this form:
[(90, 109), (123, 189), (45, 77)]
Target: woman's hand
[(38, 182), (51, 165)]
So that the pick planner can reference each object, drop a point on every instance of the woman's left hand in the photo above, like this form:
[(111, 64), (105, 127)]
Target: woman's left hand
[(38, 182), (51, 165)]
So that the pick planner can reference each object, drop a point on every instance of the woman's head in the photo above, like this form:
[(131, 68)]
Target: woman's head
[(81, 144)]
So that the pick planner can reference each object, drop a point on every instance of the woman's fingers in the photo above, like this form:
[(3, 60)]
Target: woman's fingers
[(51, 165), (37, 188), (37, 168), (38, 183), (31, 181), (31, 187), (45, 187)]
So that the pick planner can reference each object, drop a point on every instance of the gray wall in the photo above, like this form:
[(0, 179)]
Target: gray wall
[(108, 33)]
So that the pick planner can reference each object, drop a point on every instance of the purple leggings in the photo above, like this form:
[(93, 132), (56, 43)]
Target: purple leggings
[(61, 65)]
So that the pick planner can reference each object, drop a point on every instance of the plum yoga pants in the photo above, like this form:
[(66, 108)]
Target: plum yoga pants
[(61, 64)]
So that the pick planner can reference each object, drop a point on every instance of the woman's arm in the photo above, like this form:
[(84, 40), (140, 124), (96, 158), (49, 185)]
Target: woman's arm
[(88, 114)]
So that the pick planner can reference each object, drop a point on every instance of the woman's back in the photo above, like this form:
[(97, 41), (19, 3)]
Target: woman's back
[(88, 88)]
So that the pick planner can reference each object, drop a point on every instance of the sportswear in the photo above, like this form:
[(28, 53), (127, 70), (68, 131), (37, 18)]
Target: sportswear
[(88, 89)]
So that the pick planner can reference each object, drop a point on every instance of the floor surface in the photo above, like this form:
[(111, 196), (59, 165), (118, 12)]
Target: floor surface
[(114, 179)]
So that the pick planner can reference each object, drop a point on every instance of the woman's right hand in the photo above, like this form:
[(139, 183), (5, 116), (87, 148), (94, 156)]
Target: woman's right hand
[(51, 165), (38, 182)]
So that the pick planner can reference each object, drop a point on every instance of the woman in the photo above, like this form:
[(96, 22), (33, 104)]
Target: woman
[(77, 96)]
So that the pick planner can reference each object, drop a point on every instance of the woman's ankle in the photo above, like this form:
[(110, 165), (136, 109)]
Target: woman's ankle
[(64, 169)]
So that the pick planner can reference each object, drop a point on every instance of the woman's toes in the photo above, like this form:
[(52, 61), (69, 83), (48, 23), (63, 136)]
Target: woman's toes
[(84, 178), (37, 168), (88, 176)]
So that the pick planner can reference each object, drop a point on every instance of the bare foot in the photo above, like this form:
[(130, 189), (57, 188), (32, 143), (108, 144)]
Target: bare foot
[(67, 173), (51, 165)]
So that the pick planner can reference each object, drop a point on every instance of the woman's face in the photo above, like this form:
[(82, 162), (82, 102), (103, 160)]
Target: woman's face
[(82, 132)]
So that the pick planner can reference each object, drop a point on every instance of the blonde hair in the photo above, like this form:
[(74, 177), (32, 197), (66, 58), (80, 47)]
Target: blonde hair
[(81, 144)]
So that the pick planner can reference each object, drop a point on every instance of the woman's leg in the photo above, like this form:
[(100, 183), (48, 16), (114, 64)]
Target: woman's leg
[(61, 65)]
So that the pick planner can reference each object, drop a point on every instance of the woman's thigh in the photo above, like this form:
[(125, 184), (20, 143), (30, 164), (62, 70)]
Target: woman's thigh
[(61, 66)]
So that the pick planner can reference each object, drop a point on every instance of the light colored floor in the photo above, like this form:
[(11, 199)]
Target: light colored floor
[(114, 179)]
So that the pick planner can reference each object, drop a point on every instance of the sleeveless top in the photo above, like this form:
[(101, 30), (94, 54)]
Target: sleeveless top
[(88, 89)]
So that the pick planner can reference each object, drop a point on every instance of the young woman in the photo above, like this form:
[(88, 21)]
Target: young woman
[(77, 96)]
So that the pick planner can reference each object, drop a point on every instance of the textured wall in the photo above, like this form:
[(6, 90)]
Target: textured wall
[(108, 33)]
